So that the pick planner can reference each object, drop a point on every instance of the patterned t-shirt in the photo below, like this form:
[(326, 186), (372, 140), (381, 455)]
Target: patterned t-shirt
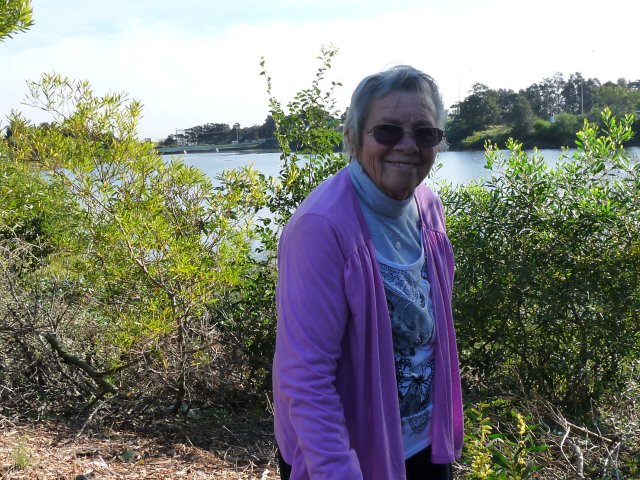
[(408, 299)]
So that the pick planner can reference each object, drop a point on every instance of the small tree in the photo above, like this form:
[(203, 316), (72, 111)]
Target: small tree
[(150, 243), (309, 135), (523, 117)]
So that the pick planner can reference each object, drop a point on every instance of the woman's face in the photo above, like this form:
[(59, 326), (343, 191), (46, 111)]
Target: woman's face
[(397, 170)]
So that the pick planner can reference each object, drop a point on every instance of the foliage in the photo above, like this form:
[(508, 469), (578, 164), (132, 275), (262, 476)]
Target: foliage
[(578, 94), (134, 275), (548, 262), (620, 99), (499, 455), (35, 216), (562, 103), (222, 134), (15, 16), (148, 246), (308, 135), (522, 117), (495, 133), (562, 132), (21, 455), (480, 108)]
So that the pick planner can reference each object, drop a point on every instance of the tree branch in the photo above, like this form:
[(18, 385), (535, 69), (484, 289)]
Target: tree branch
[(87, 368)]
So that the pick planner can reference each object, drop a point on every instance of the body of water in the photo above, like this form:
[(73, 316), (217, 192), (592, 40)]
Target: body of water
[(455, 167)]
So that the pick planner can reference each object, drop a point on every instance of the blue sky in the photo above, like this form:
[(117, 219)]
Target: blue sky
[(192, 62)]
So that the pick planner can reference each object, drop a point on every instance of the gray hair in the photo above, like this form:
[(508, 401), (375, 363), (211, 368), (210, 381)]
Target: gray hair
[(401, 78)]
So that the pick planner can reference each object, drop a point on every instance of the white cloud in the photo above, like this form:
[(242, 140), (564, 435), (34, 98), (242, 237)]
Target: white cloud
[(191, 66)]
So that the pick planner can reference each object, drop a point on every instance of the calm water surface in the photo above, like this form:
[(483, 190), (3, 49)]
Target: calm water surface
[(455, 167)]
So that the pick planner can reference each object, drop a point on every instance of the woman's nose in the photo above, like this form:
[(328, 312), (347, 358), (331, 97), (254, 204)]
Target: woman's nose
[(407, 142)]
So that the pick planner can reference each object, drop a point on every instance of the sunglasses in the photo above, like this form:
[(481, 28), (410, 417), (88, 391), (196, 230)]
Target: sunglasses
[(390, 135)]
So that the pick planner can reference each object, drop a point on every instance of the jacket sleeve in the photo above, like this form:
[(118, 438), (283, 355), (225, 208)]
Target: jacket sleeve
[(312, 317)]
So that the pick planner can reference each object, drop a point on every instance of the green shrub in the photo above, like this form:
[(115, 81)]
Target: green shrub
[(308, 135), (495, 134), (126, 275), (144, 249), (508, 454), (547, 295)]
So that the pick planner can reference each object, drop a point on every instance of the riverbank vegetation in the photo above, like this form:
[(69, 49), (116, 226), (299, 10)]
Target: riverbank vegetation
[(133, 290), (547, 114)]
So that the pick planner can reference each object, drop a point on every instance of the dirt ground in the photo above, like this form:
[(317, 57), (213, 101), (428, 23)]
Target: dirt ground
[(175, 448)]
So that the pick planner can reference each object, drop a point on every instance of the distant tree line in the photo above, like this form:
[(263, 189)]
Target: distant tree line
[(221, 134), (546, 114)]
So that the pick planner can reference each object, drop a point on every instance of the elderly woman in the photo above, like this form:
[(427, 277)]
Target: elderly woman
[(366, 381)]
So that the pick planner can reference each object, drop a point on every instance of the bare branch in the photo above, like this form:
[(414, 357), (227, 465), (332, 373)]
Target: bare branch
[(81, 364)]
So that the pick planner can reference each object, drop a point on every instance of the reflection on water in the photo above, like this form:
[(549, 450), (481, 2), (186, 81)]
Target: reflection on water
[(460, 167), (212, 163)]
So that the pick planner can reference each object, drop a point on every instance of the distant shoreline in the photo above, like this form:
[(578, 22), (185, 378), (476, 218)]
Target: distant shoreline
[(186, 149)]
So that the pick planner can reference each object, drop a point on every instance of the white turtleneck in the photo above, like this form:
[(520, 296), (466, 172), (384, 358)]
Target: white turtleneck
[(394, 224)]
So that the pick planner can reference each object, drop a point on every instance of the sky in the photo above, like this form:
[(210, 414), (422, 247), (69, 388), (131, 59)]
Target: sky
[(192, 62)]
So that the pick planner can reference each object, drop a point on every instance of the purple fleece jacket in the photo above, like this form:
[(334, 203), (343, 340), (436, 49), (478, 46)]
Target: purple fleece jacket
[(334, 383)]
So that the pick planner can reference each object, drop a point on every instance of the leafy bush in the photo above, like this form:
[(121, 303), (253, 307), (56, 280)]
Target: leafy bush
[(499, 455), (145, 249), (126, 275), (548, 263), (308, 134), (564, 129)]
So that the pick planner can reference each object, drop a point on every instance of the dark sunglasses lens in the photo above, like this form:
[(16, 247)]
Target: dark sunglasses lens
[(392, 134), (388, 134), (428, 137)]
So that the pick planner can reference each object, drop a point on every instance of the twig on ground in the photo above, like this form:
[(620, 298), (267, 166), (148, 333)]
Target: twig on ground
[(89, 418), (580, 458)]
